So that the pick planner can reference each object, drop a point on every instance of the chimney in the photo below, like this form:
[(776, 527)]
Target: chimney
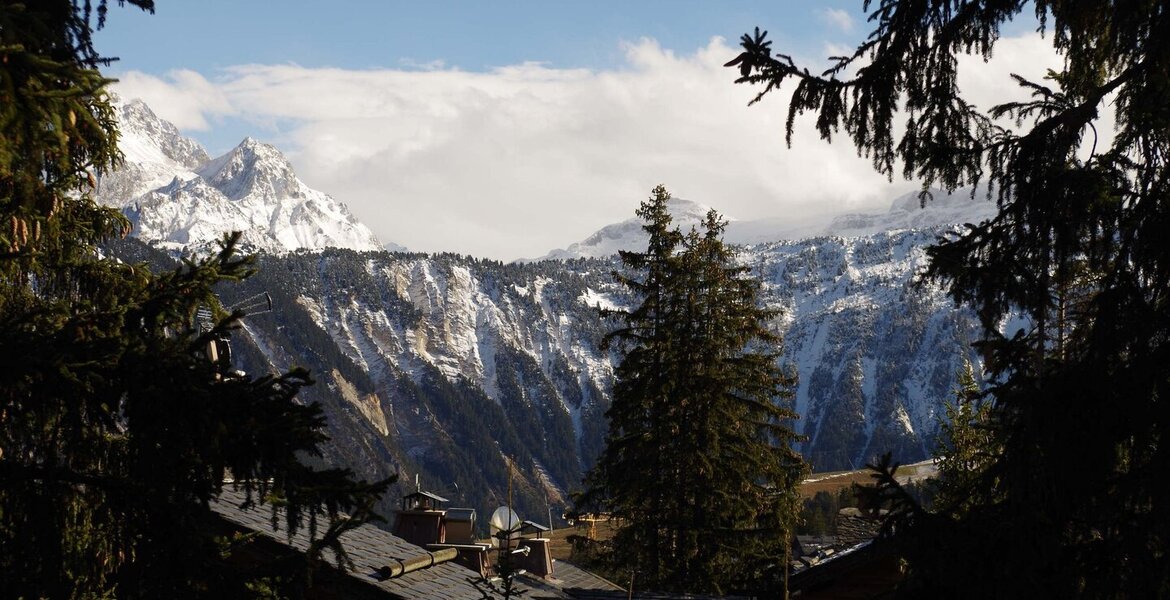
[(538, 561), (459, 532), (460, 525), (421, 519)]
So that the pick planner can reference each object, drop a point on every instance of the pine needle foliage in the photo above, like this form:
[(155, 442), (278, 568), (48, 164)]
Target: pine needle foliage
[(698, 469), (966, 447), (1074, 503), (115, 429)]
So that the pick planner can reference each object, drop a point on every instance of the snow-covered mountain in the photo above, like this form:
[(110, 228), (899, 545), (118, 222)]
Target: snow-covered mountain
[(454, 368), (876, 355), (910, 212), (905, 212), (628, 234), (182, 201)]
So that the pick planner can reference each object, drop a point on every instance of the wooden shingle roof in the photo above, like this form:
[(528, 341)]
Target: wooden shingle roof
[(570, 580), (369, 548)]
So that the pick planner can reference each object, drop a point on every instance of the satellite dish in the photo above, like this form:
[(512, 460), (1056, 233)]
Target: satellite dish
[(503, 519)]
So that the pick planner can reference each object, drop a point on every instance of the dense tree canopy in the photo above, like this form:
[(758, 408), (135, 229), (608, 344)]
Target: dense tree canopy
[(698, 466), (1073, 503), (115, 428)]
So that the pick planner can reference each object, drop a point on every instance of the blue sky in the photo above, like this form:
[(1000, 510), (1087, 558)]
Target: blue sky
[(211, 35), (505, 129), (469, 35)]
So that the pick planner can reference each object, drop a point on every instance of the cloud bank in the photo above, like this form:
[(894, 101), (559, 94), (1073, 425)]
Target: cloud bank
[(516, 161), (837, 18)]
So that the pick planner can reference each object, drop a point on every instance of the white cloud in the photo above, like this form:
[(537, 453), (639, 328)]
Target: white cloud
[(837, 18), (430, 65), (988, 83), (516, 161), (184, 97)]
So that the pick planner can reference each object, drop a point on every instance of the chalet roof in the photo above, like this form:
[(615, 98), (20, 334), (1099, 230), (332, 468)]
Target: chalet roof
[(856, 563), (855, 527), (572, 580), (528, 527), (612, 595), (573, 577), (368, 546), (422, 494)]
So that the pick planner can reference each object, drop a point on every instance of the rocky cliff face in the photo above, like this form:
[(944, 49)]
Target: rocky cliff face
[(453, 367), (876, 354), (443, 366)]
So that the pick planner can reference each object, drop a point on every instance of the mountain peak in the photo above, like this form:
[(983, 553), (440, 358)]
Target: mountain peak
[(688, 212), (629, 235), (253, 168), (136, 105), (251, 143), (145, 137), (908, 211), (255, 149), (182, 200)]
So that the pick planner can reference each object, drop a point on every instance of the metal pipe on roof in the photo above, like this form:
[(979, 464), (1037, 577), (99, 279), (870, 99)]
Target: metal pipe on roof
[(402, 566)]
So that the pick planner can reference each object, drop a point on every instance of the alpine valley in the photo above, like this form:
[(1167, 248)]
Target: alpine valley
[(449, 367)]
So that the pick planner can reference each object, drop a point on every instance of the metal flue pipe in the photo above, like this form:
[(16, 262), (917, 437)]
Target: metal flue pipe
[(402, 566)]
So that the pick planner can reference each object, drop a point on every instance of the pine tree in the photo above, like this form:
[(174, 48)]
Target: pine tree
[(630, 479), (698, 466), (1074, 505), (965, 447), (744, 475), (115, 428)]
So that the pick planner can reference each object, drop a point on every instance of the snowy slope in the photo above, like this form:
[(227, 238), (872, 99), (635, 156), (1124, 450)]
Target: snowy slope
[(909, 212), (155, 155), (905, 212), (628, 234), (181, 200), (441, 365), (876, 356)]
